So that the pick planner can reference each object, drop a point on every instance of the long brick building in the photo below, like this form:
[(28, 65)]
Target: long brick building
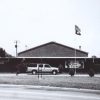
[(55, 54)]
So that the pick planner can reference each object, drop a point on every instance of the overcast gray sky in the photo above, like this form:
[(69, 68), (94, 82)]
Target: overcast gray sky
[(35, 22)]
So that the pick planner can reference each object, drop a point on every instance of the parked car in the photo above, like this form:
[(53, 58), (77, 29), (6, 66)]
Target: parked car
[(41, 68)]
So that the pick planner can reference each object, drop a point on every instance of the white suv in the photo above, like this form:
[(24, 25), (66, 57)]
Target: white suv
[(43, 68)]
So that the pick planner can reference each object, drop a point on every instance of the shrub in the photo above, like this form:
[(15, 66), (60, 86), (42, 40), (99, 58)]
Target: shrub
[(91, 72), (71, 72)]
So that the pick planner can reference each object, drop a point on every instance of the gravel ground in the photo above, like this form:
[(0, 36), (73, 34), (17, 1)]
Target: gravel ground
[(78, 81)]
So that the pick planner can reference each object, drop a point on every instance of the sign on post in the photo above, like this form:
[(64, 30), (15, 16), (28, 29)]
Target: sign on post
[(73, 64)]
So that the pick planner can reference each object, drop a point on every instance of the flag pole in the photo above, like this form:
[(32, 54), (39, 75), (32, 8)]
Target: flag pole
[(75, 60), (77, 32)]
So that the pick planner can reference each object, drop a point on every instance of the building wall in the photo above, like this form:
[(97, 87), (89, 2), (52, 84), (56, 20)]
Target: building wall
[(9, 64)]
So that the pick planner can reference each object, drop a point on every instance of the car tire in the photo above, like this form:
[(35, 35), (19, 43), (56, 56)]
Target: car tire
[(54, 72), (34, 72)]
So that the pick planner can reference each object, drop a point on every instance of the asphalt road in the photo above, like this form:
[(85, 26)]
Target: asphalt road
[(30, 93)]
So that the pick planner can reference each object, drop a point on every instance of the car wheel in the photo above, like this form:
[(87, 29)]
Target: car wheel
[(33, 72), (54, 72)]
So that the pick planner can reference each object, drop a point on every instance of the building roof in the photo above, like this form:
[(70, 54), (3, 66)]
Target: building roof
[(50, 44)]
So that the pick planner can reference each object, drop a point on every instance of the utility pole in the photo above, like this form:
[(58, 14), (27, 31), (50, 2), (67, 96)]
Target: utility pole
[(16, 46)]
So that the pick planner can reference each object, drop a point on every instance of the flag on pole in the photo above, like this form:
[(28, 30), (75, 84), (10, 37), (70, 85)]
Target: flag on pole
[(77, 30)]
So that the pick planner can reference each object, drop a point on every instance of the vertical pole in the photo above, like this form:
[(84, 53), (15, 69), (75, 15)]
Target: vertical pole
[(75, 56), (16, 47), (77, 32), (38, 72), (41, 67), (75, 60)]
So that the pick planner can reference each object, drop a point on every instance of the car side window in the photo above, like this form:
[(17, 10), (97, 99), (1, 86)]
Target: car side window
[(40, 65), (47, 66)]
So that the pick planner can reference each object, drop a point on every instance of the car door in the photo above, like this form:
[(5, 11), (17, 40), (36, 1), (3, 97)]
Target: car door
[(40, 68), (47, 68)]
